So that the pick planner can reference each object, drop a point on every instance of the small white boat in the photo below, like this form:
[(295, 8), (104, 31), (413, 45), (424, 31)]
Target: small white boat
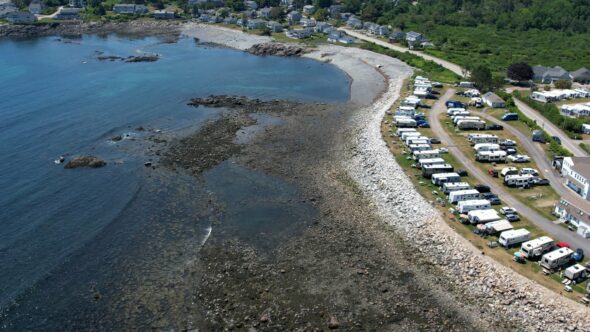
[(59, 160)]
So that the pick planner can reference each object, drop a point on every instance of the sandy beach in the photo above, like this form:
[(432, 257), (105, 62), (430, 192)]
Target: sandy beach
[(498, 289)]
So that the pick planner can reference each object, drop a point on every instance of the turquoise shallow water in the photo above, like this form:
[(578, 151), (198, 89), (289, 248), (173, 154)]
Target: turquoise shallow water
[(57, 99)]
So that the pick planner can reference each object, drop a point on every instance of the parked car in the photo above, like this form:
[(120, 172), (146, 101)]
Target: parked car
[(578, 255), (443, 150), (462, 172), (482, 188), (494, 126), (495, 200), (506, 210), (423, 124), (519, 158), (556, 139), (493, 172), (510, 151), (434, 140), (507, 142), (540, 182), (512, 217)]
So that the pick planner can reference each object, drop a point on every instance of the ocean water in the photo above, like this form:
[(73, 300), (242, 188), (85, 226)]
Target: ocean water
[(63, 230)]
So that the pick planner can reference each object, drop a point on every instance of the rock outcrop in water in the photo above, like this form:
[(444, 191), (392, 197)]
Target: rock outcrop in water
[(231, 102), (85, 161), (277, 49), (143, 58)]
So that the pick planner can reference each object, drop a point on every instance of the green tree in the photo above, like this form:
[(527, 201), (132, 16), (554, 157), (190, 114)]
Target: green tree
[(276, 13), (563, 84), (520, 71), (322, 3), (481, 76), (321, 14), (353, 6)]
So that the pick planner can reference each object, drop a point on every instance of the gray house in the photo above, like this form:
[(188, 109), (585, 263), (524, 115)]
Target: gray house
[(264, 12), (334, 11), (354, 23), (397, 36), (300, 33), (493, 100), (21, 18), (379, 30), (294, 17), (322, 27), (307, 22), (129, 8), (68, 14), (256, 24), (581, 75), (549, 75), (36, 7), (7, 8), (251, 4), (77, 3), (308, 9), (164, 14), (274, 26), (414, 38)]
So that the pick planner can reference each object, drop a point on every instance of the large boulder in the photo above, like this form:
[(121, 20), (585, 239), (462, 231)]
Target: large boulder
[(85, 161)]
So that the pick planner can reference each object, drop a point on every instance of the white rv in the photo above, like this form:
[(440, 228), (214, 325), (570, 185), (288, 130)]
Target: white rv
[(509, 238), (518, 180), (405, 123), (417, 140), (463, 114), (483, 216), (400, 131), (440, 179), (463, 195), (405, 135), (419, 147), (471, 124), (482, 138), (537, 247), (411, 101), (429, 170), (575, 273), (491, 156), (451, 111), (431, 161), (498, 226), (474, 204), (556, 258), (454, 186), (486, 147), (457, 118), (427, 154), (406, 110)]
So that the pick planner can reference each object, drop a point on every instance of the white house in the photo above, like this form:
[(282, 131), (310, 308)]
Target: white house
[(576, 171), (308, 9), (575, 215)]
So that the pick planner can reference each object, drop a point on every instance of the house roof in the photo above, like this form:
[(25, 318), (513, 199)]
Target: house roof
[(493, 97), (574, 210), (582, 166), (582, 72), (556, 72), (413, 34)]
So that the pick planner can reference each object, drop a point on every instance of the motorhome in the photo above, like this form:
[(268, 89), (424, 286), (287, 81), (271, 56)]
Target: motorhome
[(491, 156), (406, 110), (471, 124), (509, 171), (486, 147), (576, 273), (498, 226), (454, 186), (518, 180), (406, 134), (451, 111), (405, 123), (429, 170), (411, 101), (537, 247), (400, 131), (483, 216), (482, 138), (556, 258), (510, 238), (426, 154), (417, 140), (431, 161), (440, 179), (458, 118), (474, 204), (463, 195), (460, 113), (419, 147)]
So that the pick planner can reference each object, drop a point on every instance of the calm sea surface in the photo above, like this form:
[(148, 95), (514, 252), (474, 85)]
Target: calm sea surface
[(64, 231)]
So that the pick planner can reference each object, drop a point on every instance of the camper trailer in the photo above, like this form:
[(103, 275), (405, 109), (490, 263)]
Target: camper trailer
[(471, 125), (474, 204), (518, 180), (556, 258), (451, 111), (405, 123), (510, 238), (537, 247), (431, 161), (576, 273), (498, 226), (463, 195), (486, 147), (419, 147), (429, 170), (454, 186), (406, 110), (463, 114), (411, 101), (427, 154), (483, 216), (491, 156), (441, 178), (417, 140), (457, 118), (400, 131), (405, 135), (482, 138), (509, 171)]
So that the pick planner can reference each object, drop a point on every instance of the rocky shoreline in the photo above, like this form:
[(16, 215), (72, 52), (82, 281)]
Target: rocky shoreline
[(499, 290), (277, 49), (168, 31)]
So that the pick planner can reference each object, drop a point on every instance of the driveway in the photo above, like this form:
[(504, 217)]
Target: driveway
[(40, 17), (535, 151), (449, 65), (557, 231), (550, 128)]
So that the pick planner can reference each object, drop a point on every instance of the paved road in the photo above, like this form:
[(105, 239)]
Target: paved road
[(550, 128), (535, 151), (449, 65), (557, 231)]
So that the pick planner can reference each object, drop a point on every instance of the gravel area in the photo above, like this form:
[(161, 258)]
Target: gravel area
[(499, 290)]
